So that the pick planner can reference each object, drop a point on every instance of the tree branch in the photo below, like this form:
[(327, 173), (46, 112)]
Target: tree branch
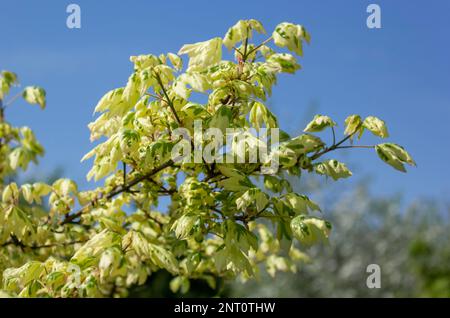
[(117, 190), (259, 46), (357, 146), (334, 146), (16, 242)]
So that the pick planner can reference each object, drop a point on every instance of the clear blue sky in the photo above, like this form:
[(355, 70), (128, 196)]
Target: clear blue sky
[(400, 73)]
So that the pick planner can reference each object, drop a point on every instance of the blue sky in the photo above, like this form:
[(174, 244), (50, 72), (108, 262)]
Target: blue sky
[(400, 73)]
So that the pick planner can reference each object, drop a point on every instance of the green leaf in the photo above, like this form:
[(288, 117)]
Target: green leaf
[(10, 193), (197, 81), (319, 123), (304, 144), (259, 114), (283, 62), (237, 235), (158, 255), (179, 283), (129, 140), (176, 61), (35, 95), (109, 100), (291, 36), (236, 184), (195, 111), (394, 155), (300, 204), (112, 263), (7, 79), (250, 197), (353, 125), (309, 230), (163, 258), (91, 251), (160, 150), (221, 118), (376, 126), (184, 225), (145, 61), (239, 260), (273, 183), (34, 192), (202, 54), (332, 168), (17, 222), (19, 277), (241, 31)]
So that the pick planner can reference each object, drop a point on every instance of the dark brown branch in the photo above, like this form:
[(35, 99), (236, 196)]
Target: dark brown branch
[(334, 146), (259, 46), (14, 241), (117, 190)]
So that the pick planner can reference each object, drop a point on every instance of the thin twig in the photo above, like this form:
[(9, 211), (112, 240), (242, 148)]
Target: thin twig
[(117, 191), (169, 101), (124, 172), (155, 96), (12, 100), (334, 135), (244, 57), (357, 146), (16, 242), (259, 46), (334, 146), (237, 50)]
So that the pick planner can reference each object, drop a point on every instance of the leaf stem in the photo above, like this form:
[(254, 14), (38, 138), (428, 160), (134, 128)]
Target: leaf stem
[(334, 146), (259, 46), (117, 190), (169, 101), (334, 135), (12, 99), (357, 146)]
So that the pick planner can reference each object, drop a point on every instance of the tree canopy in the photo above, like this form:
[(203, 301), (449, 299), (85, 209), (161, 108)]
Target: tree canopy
[(224, 217)]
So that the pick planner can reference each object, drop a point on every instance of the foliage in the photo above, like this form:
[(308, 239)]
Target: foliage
[(223, 218), (410, 244)]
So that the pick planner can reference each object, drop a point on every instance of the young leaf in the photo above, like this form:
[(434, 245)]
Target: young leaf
[(241, 31), (35, 95), (376, 126), (176, 61), (184, 225), (7, 79), (91, 251), (291, 36), (319, 123), (252, 196), (203, 54), (309, 230), (10, 193), (300, 204), (394, 155), (353, 125), (283, 62), (332, 168), (221, 118), (259, 114)]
